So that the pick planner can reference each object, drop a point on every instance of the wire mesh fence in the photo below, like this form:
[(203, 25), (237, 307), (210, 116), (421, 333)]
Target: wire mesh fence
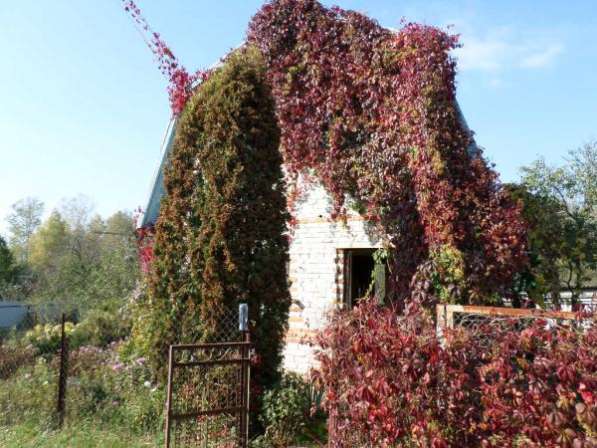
[(54, 373), (208, 386), (485, 323)]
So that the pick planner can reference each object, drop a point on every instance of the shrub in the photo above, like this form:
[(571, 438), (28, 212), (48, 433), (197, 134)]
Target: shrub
[(104, 388), (390, 381), (287, 410), (46, 337), (13, 357), (219, 238), (99, 328), (29, 395), (101, 389)]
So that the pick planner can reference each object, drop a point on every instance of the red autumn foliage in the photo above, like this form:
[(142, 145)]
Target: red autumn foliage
[(145, 240), (391, 382), (372, 113), (180, 81)]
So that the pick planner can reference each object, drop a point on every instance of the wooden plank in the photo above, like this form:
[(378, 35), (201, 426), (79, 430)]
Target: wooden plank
[(512, 312)]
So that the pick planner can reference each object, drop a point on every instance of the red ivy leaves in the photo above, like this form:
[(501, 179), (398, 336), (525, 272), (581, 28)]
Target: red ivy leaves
[(373, 114), (391, 380), (180, 81), (145, 239)]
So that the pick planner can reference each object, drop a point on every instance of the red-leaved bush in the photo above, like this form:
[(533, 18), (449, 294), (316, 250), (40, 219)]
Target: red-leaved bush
[(392, 382)]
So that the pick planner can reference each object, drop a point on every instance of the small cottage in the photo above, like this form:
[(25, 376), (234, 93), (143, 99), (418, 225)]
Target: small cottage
[(331, 265)]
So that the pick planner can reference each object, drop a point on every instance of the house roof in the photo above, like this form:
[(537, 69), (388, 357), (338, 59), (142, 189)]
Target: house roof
[(12, 313), (152, 208)]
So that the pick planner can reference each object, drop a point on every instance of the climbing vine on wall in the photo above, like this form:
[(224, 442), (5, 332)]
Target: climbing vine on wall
[(372, 115)]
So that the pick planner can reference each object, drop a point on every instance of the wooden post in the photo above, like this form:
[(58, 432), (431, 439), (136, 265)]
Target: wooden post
[(62, 379)]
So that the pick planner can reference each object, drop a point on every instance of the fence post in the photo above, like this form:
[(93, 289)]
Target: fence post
[(243, 326), (169, 395), (62, 379)]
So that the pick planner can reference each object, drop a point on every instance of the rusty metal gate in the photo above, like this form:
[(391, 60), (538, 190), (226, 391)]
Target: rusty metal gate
[(208, 394)]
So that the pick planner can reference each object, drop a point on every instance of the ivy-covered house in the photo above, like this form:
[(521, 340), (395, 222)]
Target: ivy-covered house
[(377, 155), (333, 262)]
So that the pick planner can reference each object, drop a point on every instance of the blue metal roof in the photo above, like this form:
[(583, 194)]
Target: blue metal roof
[(12, 313), (152, 208)]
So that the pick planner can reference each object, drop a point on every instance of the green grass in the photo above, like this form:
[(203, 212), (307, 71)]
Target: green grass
[(82, 435)]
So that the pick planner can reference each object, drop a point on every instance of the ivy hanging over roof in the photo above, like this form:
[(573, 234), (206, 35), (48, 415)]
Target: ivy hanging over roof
[(371, 114)]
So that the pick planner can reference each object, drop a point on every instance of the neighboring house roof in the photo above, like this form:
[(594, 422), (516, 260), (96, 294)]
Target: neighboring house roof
[(152, 208), (12, 313)]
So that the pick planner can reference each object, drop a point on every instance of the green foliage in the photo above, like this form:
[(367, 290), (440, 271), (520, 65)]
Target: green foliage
[(46, 337), (103, 393), (13, 357), (546, 247), (98, 329), (27, 396), (560, 205), (22, 222), (83, 434), (8, 267), (220, 236), (287, 411), (82, 263)]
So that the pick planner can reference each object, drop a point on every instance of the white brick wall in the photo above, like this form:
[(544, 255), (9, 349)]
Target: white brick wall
[(314, 271)]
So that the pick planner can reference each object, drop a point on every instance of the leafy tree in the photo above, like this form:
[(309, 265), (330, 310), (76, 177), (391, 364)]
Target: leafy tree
[(562, 210), (8, 267), (541, 278), (117, 270), (220, 235), (22, 222), (84, 262), (49, 259)]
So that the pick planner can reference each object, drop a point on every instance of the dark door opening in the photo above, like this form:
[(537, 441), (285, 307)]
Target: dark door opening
[(362, 276)]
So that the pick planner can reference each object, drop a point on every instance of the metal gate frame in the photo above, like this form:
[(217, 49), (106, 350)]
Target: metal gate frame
[(243, 362)]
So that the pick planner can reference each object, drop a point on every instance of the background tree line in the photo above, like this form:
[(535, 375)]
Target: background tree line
[(78, 259), (74, 258), (560, 207)]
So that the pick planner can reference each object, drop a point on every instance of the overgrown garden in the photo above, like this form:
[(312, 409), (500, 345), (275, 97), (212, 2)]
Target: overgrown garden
[(324, 95)]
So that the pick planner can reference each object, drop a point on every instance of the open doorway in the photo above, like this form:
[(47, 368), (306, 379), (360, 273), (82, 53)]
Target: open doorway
[(362, 276)]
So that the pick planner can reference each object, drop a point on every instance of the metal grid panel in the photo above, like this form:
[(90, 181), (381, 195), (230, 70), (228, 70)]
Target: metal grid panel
[(484, 322), (208, 387), (226, 328)]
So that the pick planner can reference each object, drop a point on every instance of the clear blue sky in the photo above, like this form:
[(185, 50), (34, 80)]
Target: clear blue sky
[(83, 107)]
